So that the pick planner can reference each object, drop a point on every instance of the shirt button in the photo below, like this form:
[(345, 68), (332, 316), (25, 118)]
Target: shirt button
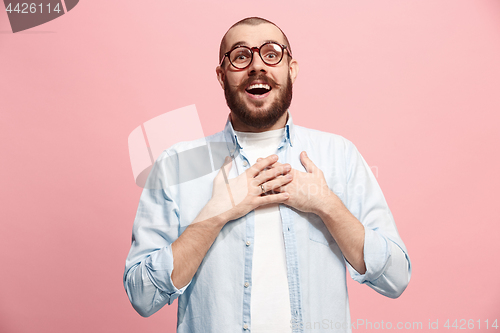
[(245, 163), (248, 243), (245, 327), (247, 284)]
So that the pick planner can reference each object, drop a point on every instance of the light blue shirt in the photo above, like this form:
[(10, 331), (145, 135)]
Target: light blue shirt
[(218, 297)]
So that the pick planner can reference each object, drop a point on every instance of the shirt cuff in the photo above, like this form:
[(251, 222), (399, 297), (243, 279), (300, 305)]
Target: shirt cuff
[(159, 266), (376, 255)]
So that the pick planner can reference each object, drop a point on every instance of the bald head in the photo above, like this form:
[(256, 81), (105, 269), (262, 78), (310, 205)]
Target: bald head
[(250, 21)]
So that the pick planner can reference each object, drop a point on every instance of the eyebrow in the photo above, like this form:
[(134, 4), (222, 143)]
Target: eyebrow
[(242, 43)]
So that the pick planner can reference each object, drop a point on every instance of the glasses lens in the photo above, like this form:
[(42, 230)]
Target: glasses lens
[(240, 57), (271, 53)]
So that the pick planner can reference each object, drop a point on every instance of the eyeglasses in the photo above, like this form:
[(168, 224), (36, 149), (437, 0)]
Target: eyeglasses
[(241, 56)]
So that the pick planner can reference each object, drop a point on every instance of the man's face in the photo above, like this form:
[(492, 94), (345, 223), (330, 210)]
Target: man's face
[(257, 107)]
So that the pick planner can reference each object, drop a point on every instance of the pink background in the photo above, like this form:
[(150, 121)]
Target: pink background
[(414, 84)]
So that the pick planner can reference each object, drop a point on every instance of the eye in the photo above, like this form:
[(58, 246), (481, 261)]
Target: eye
[(240, 55), (271, 53)]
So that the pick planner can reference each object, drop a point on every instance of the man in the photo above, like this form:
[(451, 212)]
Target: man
[(263, 244)]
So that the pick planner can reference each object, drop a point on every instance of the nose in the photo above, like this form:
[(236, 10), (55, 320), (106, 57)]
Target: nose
[(257, 65)]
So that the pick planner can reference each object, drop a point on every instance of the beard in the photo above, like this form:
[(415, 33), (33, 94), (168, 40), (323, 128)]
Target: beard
[(260, 118)]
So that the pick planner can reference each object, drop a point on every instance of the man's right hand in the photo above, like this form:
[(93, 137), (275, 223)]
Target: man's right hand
[(233, 198)]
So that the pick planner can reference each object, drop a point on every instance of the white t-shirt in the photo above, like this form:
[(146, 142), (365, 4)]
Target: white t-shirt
[(270, 301)]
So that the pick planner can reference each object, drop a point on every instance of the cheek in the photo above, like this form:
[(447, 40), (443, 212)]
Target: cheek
[(280, 77), (234, 79)]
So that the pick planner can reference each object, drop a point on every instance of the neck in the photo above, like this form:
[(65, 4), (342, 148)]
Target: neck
[(239, 126)]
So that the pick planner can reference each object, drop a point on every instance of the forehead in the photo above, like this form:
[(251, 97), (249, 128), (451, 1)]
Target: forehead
[(253, 35)]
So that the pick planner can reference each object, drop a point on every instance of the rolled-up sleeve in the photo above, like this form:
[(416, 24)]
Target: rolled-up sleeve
[(149, 265), (388, 267)]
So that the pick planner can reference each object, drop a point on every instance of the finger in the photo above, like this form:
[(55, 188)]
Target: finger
[(272, 173), (255, 169), (277, 164), (307, 163), (273, 165), (272, 198), (277, 183), (260, 159)]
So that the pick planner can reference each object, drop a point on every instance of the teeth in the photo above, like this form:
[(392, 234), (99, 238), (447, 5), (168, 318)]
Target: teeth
[(259, 85)]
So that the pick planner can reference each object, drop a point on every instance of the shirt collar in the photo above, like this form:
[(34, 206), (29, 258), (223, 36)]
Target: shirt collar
[(232, 138)]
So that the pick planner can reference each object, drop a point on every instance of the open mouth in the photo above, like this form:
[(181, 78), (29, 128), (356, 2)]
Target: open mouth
[(258, 89)]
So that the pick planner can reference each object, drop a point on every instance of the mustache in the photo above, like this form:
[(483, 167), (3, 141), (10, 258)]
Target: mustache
[(263, 78)]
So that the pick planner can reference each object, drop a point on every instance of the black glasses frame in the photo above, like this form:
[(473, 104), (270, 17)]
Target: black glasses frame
[(252, 50)]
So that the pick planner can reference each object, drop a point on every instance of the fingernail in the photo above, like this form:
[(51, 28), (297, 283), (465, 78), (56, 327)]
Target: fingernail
[(289, 176)]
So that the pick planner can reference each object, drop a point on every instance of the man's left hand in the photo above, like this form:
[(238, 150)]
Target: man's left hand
[(308, 190)]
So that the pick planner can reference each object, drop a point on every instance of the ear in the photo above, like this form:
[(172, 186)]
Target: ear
[(293, 67), (220, 75)]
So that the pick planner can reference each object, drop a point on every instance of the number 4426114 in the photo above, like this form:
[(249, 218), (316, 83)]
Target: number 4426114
[(32, 8), (463, 324)]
